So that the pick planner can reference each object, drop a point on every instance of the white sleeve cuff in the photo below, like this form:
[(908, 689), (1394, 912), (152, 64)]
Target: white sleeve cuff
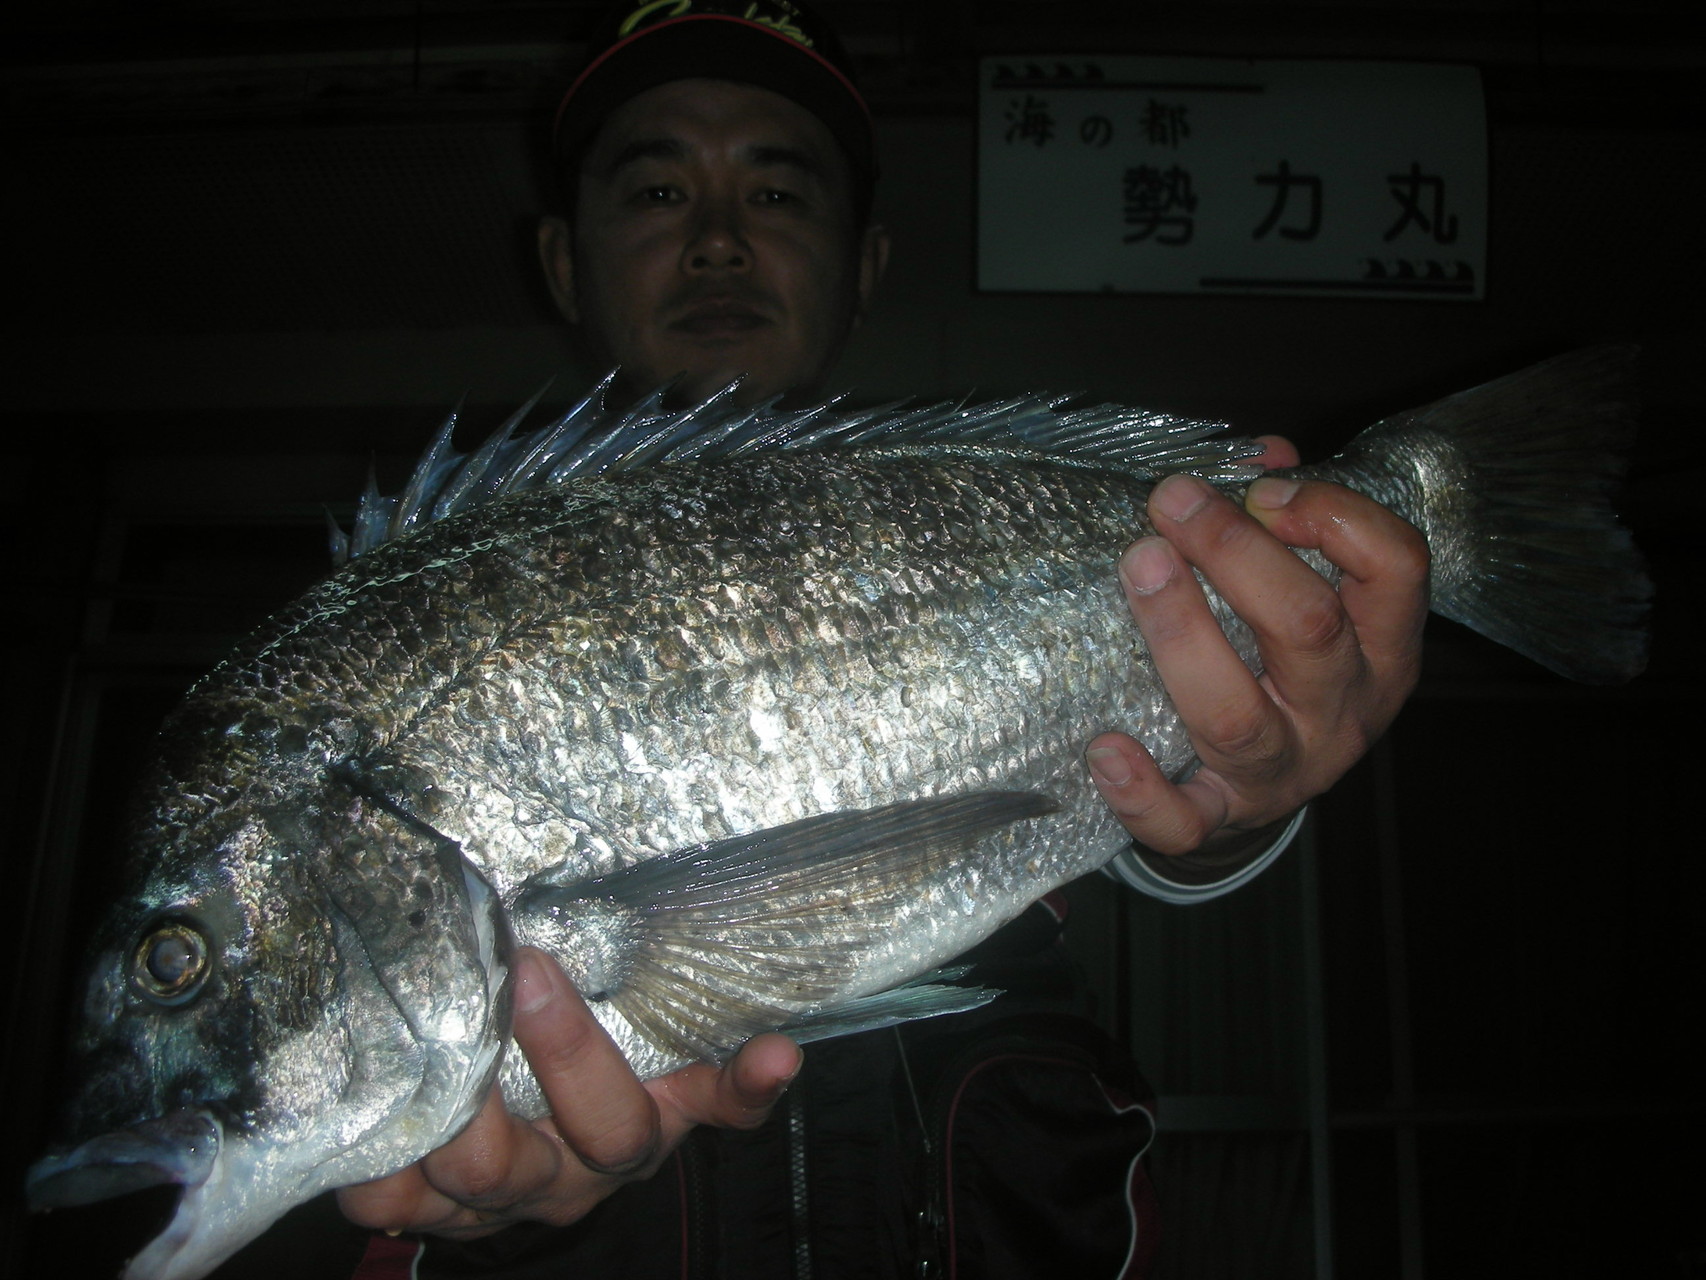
[(1131, 868)]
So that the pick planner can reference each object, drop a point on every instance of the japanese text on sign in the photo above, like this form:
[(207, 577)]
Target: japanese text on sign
[(1195, 175)]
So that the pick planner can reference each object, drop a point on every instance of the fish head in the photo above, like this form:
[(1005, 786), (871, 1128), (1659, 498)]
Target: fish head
[(307, 990)]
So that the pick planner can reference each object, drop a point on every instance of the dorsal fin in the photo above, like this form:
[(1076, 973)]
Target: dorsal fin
[(591, 440)]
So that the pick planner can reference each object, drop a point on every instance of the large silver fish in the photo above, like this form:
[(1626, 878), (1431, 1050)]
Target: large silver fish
[(751, 718)]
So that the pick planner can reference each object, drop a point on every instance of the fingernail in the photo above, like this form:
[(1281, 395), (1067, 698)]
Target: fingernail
[(533, 989), (1180, 497), (1108, 765), (776, 1088), (799, 1065), (1271, 493), (1148, 566)]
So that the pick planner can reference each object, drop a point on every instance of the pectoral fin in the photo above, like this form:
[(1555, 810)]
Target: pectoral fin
[(706, 947)]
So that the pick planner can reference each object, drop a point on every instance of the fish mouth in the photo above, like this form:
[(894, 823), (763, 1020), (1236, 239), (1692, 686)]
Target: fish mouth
[(180, 1147), (187, 1147)]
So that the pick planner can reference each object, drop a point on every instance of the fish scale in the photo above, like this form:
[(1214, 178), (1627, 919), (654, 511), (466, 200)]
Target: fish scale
[(801, 699), (805, 643)]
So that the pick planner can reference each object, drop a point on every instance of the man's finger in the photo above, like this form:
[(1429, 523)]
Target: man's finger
[(1383, 561), (387, 1204), (1157, 814), (1278, 452), (1232, 720), (1308, 645), (739, 1095), (601, 1109), (495, 1163)]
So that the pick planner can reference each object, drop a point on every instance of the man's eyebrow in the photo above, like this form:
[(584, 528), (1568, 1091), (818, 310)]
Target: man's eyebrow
[(759, 154), (645, 149), (807, 162)]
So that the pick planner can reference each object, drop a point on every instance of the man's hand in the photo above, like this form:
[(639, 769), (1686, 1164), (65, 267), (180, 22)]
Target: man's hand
[(1337, 665), (606, 1127)]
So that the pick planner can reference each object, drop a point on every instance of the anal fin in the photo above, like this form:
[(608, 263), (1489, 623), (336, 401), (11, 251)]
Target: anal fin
[(922, 998)]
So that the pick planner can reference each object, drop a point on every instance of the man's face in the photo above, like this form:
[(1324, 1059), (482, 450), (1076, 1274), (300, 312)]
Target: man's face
[(714, 238)]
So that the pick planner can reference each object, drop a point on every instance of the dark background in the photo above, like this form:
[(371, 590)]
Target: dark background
[(252, 246)]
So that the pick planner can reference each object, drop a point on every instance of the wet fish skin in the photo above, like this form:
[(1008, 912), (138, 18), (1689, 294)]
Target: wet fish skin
[(746, 741), (563, 748)]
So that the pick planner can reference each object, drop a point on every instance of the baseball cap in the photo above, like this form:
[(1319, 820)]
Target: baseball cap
[(778, 45)]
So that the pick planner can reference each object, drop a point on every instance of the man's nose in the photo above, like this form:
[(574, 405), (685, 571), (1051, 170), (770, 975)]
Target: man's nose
[(718, 242)]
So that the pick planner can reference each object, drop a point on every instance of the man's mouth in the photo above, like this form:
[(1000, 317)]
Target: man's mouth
[(719, 320)]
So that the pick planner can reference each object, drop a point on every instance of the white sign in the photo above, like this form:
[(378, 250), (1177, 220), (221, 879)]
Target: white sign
[(1223, 176)]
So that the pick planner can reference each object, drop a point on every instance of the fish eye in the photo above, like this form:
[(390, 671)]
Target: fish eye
[(171, 962)]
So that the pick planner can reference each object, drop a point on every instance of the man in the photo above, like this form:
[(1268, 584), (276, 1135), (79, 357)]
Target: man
[(720, 166)]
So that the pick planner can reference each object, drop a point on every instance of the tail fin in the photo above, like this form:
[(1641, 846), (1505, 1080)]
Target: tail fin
[(1511, 482)]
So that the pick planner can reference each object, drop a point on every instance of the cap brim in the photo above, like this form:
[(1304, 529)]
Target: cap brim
[(714, 47)]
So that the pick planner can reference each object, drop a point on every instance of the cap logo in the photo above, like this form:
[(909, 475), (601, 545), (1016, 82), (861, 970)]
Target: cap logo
[(778, 17)]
